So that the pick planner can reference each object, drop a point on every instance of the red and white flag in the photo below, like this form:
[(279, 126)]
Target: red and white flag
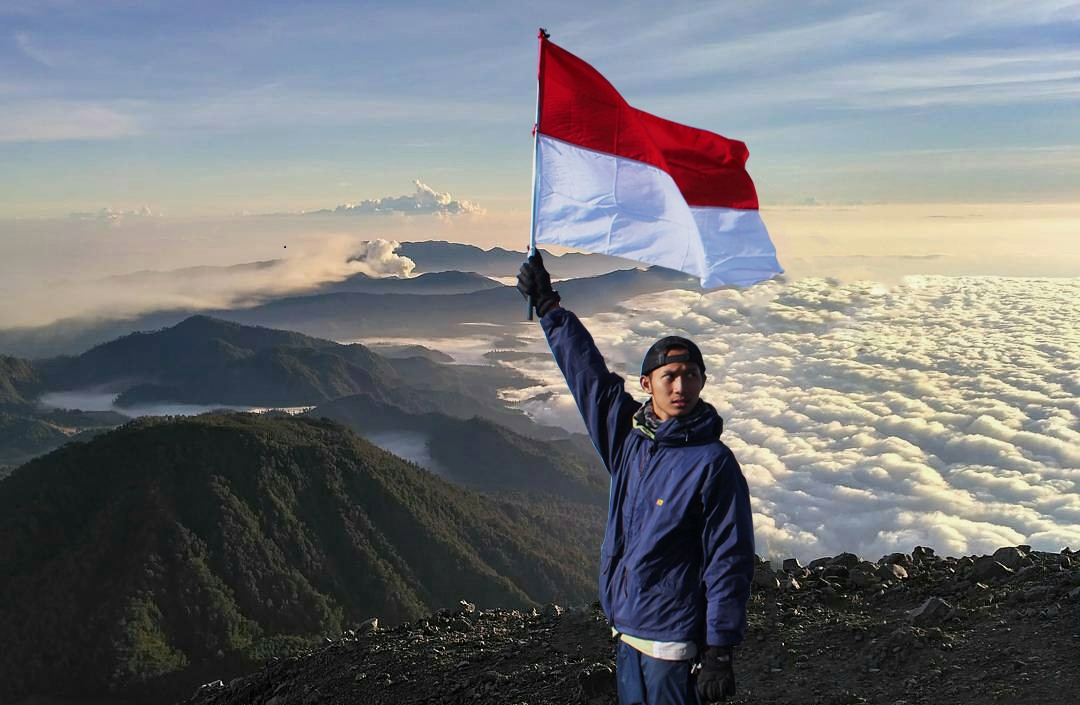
[(616, 180)]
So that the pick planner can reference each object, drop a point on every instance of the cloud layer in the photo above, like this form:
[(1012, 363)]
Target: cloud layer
[(69, 267), (942, 411), (114, 214), (296, 270), (425, 200)]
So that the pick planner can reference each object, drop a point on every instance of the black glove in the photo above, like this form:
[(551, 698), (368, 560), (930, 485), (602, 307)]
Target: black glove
[(534, 283), (716, 679)]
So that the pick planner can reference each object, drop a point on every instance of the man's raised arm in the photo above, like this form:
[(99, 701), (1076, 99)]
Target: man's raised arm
[(605, 406)]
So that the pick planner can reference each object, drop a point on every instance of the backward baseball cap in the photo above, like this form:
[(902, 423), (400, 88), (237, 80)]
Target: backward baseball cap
[(658, 354)]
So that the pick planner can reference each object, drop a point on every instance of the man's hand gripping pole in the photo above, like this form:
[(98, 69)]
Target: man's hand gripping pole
[(534, 283)]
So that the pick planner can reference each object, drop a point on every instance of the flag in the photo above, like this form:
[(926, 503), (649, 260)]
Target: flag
[(618, 181)]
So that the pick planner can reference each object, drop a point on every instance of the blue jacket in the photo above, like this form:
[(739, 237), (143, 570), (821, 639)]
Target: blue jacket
[(678, 554)]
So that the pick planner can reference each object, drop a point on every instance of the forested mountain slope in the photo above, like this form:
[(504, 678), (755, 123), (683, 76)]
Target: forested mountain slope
[(167, 549)]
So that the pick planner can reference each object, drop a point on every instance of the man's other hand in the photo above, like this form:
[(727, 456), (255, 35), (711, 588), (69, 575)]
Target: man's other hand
[(716, 679), (534, 283)]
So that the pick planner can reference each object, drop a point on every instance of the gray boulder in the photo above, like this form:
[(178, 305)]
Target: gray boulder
[(596, 681), (765, 579), (987, 569), (932, 612), (922, 554), (552, 611), (790, 584), (861, 579), (1011, 557), (848, 560), (892, 571), (896, 559)]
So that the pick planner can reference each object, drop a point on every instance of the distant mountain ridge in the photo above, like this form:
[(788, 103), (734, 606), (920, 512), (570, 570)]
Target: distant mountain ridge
[(509, 462), (349, 315), (189, 346), (382, 309), (204, 360), (440, 255), (170, 548), (211, 362), (26, 430), (32, 433), (461, 269), (429, 284), (19, 382)]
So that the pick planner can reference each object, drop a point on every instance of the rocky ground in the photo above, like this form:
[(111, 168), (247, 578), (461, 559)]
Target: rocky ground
[(910, 629)]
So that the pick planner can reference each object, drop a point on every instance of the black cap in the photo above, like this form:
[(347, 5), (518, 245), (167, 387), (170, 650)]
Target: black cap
[(658, 357)]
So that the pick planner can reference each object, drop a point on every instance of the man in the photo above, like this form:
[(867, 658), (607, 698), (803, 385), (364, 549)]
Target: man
[(678, 554)]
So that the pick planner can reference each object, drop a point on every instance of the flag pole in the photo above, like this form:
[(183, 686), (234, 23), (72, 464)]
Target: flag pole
[(541, 36)]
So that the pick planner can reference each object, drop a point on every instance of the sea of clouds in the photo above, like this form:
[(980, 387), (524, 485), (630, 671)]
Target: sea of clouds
[(942, 411)]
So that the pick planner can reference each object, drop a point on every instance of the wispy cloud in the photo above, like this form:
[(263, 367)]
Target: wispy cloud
[(797, 78), (930, 80), (974, 78), (29, 49), (1029, 159), (268, 107), (906, 55), (57, 120), (277, 105)]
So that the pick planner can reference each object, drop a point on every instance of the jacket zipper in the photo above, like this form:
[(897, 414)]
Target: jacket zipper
[(630, 531), (640, 474)]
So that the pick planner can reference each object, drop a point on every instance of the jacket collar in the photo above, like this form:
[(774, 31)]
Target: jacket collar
[(704, 423)]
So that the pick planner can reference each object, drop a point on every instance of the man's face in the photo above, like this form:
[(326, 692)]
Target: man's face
[(675, 387)]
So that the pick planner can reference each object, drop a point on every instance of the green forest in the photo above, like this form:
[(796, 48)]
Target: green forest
[(174, 548)]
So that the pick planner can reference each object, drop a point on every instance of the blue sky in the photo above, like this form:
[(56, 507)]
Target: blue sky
[(196, 108)]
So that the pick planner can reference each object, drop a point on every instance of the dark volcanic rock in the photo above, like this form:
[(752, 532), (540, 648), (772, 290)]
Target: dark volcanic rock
[(892, 571), (824, 644), (986, 569), (922, 554), (765, 578), (931, 613), (1012, 558), (848, 560)]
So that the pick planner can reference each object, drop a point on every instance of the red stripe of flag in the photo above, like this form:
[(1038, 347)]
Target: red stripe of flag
[(579, 106)]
